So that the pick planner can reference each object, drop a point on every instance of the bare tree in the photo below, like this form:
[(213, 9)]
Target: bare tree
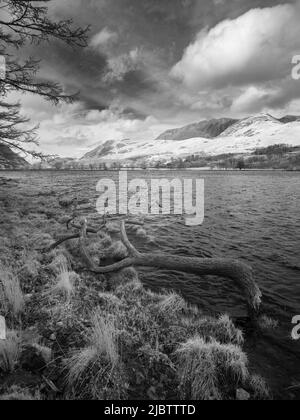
[(24, 21)]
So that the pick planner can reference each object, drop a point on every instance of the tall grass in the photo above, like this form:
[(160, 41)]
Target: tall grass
[(101, 350), (228, 331), (207, 368), (11, 296), (65, 280), (10, 350), (172, 304), (104, 338), (222, 329), (65, 284), (59, 263)]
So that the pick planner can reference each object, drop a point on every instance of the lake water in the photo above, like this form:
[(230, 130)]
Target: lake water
[(252, 216)]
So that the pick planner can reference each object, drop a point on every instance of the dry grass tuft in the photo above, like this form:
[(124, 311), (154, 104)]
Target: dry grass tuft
[(11, 296), (66, 284), (207, 368), (232, 334), (259, 388), (98, 362), (65, 280), (79, 363), (59, 264), (171, 305), (104, 338), (222, 329), (10, 350), (266, 323)]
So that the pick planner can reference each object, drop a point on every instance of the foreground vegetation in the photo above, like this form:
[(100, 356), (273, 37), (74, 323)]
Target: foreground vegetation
[(75, 335)]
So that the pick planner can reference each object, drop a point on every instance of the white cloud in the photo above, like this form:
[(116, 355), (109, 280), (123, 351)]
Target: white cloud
[(120, 65), (102, 38), (255, 47), (252, 100), (72, 135)]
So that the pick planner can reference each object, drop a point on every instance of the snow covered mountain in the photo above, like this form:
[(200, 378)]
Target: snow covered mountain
[(242, 136), (205, 129)]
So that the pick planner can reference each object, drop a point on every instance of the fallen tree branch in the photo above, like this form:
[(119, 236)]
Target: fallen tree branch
[(62, 240), (73, 236), (88, 230), (239, 272), (111, 220)]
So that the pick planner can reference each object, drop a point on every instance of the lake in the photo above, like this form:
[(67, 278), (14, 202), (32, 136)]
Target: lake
[(252, 216)]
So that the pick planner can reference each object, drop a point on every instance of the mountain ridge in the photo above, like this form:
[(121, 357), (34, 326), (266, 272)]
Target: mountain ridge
[(205, 129), (214, 127), (239, 136), (11, 160)]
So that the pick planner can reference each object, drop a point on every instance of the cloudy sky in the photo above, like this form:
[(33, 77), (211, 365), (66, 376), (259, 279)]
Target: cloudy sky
[(152, 65)]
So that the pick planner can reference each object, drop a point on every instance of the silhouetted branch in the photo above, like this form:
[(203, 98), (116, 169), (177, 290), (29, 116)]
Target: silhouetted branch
[(24, 21), (27, 20)]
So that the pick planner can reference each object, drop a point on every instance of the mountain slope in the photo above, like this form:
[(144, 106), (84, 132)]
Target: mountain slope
[(243, 136), (250, 126), (289, 118), (103, 149), (205, 129), (11, 160)]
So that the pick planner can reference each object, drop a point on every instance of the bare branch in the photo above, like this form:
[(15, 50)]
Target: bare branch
[(29, 21), (131, 249), (240, 273), (24, 21)]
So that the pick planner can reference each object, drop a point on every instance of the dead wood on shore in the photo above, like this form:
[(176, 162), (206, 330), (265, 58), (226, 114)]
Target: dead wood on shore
[(240, 273)]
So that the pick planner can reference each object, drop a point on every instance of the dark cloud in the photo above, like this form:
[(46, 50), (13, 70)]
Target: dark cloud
[(73, 66), (134, 44), (133, 114), (91, 102), (136, 82)]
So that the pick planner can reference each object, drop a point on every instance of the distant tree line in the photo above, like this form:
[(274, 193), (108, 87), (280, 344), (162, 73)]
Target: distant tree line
[(276, 149), (279, 156), (273, 157)]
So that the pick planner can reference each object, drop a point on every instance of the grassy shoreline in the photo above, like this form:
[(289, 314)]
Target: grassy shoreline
[(75, 335)]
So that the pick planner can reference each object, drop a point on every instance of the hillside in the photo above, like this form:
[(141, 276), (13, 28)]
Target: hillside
[(289, 118), (108, 147), (205, 129), (251, 126), (243, 136), (11, 160)]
